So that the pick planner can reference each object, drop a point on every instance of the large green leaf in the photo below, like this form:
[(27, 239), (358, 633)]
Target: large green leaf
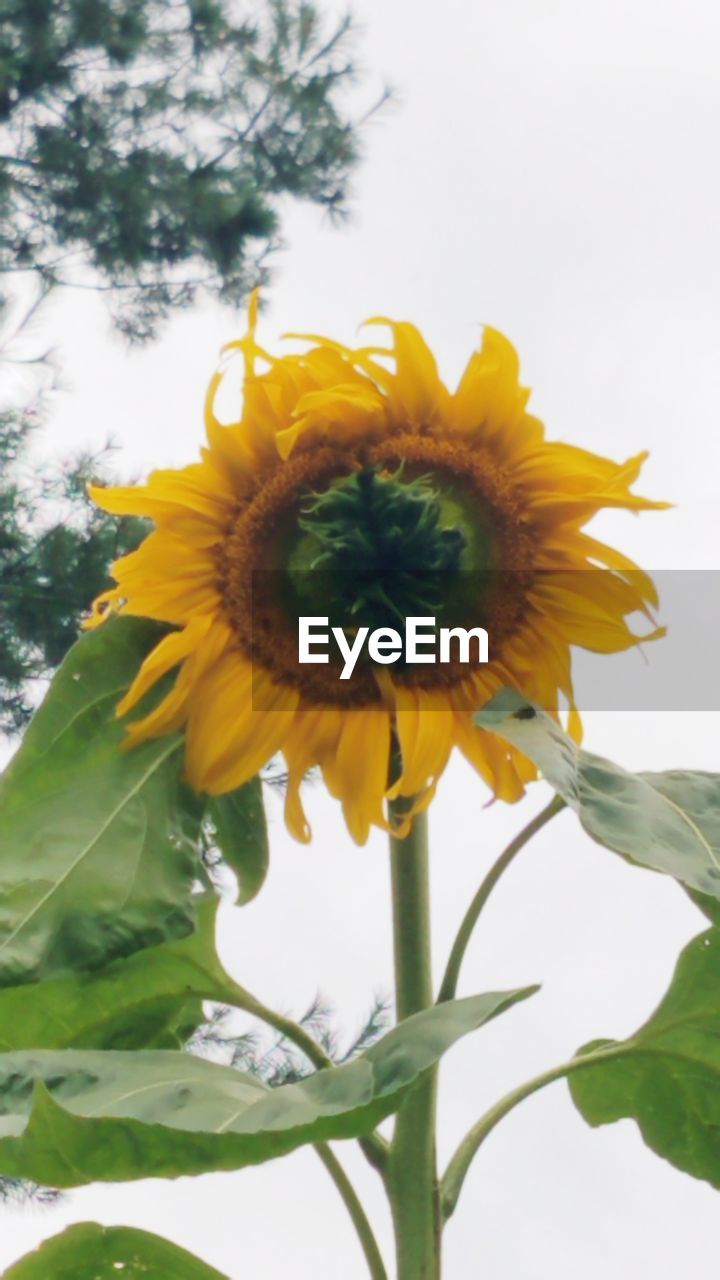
[(669, 822), (73, 1117), (91, 1252), (667, 1076), (241, 833), (99, 847), (152, 999)]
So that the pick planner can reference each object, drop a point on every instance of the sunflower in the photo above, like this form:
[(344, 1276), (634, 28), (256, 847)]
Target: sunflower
[(356, 485)]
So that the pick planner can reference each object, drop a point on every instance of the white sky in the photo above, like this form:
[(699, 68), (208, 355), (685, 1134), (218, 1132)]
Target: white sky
[(550, 169)]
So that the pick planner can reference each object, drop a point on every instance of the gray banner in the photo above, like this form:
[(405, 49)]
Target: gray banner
[(678, 672)]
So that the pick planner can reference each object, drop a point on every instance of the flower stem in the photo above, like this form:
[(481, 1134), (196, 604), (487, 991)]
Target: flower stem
[(470, 919), (412, 1170), (359, 1219)]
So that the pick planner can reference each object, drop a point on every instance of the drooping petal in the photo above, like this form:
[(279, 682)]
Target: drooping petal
[(424, 725), (357, 774), (312, 739)]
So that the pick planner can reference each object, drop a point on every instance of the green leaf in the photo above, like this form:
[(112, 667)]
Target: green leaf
[(152, 999), (89, 1250), (99, 848), (667, 1076), (710, 907), (241, 832), (669, 822), (72, 1117)]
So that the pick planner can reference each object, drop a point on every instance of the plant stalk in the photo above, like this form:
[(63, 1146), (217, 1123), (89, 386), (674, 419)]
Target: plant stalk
[(373, 1146), (472, 915), (458, 1167), (358, 1216), (412, 1169)]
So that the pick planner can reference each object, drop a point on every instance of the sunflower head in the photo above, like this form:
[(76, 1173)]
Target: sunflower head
[(355, 486)]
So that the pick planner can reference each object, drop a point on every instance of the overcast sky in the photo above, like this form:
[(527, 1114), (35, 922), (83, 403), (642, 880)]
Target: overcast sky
[(550, 168)]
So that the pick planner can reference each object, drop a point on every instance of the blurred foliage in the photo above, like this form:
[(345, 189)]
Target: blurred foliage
[(274, 1060), (55, 550), (145, 148), (16, 1192), (146, 145)]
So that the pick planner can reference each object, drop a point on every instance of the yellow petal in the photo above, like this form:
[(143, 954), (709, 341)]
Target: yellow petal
[(238, 720), (416, 392), (489, 403), (169, 653), (357, 775), (172, 711), (424, 724), (312, 738)]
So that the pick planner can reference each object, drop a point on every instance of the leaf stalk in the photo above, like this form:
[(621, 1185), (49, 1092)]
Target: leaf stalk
[(459, 1165), (449, 983)]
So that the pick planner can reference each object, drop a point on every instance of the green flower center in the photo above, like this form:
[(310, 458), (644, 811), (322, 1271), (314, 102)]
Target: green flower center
[(375, 548)]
